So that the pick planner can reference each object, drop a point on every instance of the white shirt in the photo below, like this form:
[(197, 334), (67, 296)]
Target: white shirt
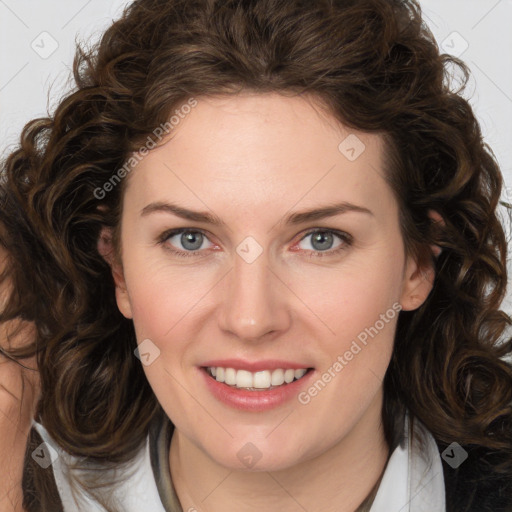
[(413, 480)]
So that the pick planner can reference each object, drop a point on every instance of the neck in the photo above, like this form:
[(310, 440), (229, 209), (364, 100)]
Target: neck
[(338, 480)]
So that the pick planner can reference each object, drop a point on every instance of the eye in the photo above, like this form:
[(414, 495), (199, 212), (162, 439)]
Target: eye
[(322, 241), (190, 239)]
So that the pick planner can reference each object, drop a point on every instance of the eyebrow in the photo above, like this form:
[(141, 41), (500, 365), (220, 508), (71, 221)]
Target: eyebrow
[(291, 219)]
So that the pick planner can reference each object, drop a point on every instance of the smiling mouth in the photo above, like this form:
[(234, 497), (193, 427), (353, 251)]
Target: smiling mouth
[(255, 381)]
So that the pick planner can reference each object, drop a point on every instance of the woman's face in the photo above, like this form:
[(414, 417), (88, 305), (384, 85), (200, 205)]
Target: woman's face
[(255, 290)]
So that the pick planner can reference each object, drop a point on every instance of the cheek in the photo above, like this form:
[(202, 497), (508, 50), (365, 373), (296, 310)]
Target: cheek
[(163, 307), (353, 322), (359, 315), (346, 300), (162, 295)]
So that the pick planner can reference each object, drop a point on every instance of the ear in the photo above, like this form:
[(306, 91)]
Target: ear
[(106, 249), (420, 273)]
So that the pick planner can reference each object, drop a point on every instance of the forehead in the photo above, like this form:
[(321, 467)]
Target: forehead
[(260, 151)]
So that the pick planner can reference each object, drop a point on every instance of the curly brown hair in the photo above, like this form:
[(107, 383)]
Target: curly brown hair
[(376, 67)]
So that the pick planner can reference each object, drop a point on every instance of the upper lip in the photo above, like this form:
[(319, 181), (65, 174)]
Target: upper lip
[(254, 366)]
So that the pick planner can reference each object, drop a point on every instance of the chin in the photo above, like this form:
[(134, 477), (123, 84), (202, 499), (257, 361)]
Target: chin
[(252, 454), (262, 464)]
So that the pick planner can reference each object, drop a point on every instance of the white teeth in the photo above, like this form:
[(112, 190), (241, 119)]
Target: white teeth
[(265, 379), (243, 379), (300, 373), (289, 375), (261, 379), (277, 377), (220, 374), (230, 376)]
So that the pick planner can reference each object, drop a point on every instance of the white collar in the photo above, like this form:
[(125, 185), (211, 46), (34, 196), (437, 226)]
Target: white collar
[(413, 480)]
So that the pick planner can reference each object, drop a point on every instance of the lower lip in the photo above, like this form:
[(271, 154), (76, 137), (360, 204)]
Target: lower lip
[(254, 400)]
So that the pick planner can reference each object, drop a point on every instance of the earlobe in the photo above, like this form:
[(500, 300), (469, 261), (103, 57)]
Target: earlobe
[(123, 302), (106, 250)]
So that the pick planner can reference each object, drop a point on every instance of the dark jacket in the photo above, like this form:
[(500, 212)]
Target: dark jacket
[(476, 485)]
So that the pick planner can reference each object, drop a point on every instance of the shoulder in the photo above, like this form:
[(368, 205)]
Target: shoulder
[(128, 487), (475, 484)]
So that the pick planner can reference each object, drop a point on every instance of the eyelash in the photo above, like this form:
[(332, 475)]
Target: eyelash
[(345, 238)]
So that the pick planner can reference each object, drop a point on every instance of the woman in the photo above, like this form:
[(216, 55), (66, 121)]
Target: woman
[(265, 269)]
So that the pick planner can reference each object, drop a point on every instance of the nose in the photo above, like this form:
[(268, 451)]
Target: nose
[(254, 302)]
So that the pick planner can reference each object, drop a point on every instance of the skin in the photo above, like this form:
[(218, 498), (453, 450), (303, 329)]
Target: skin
[(251, 159)]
